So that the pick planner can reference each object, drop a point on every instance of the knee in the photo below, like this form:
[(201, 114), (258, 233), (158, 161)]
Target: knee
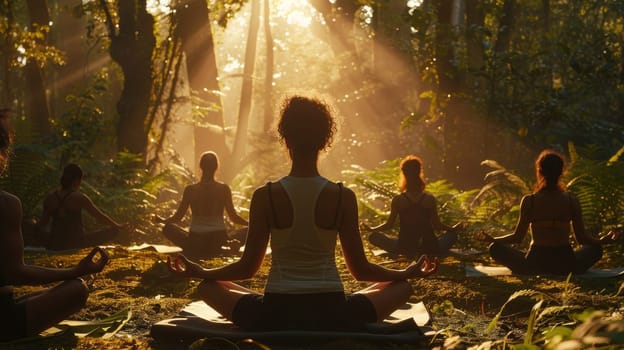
[(167, 228), (207, 288), (79, 292), (598, 251), (403, 288), (374, 237), (371, 236), (495, 249)]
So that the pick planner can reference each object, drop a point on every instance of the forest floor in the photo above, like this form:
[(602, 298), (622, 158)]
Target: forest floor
[(461, 308)]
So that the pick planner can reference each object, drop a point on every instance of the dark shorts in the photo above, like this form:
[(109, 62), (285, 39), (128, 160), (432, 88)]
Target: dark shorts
[(12, 318), (319, 311), (554, 260)]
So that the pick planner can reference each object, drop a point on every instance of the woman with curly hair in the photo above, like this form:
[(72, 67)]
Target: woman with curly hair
[(301, 216)]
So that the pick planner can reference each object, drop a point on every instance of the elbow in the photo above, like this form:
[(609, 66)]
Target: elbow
[(247, 271), (361, 273)]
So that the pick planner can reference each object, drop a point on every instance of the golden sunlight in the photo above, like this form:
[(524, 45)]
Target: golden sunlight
[(296, 12), (158, 6)]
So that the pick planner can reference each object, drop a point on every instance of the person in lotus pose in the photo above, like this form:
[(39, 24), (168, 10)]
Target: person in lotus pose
[(208, 199), (302, 216), (30, 314), (418, 217), (62, 212), (548, 211)]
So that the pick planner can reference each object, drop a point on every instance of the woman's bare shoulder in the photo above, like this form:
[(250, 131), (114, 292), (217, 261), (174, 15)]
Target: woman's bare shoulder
[(9, 198), (10, 205)]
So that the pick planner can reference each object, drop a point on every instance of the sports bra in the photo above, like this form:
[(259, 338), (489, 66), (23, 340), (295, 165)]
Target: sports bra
[(553, 223)]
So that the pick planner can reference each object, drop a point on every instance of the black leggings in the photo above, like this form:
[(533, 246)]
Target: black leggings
[(444, 242), (91, 239), (316, 311), (203, 244), (552, 260)]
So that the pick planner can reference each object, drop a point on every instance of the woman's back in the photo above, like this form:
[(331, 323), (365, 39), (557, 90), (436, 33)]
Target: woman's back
[(207, 199), (415, 228), (66, 227), (550, 213), (303, 252)]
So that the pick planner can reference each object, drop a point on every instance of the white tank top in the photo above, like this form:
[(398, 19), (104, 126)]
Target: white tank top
[(303, 259)]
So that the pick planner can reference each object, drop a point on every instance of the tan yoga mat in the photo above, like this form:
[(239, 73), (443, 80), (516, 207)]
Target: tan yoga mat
[(160, 248), (198, 320), (483, 271)]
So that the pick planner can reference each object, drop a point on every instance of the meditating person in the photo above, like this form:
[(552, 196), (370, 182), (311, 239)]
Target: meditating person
[(301, 215), (30, 314), (208, 199), (548, 211), (62, 215), (418, 217)]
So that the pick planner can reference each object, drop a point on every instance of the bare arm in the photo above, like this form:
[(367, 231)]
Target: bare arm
[(182, 208), (12, 252), (87, 204), (353, 250), (255, 248), (231, 211), (581, 236), (522, 226), (46, 215), (435, 218), (394, 212)]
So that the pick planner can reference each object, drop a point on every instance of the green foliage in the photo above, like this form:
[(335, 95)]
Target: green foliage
[(598, 186), (28, 176), (78, 132), (494, 207)]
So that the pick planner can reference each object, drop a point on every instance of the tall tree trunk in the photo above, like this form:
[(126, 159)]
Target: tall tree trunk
[(132, 47), (36, 104), (448, 87), (195, 31), (244, 107), (269, 69)]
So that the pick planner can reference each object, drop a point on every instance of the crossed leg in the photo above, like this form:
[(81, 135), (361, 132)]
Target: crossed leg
[(47, 308), (385, 296)]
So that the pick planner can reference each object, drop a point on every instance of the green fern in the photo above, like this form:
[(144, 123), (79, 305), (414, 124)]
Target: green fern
[(599, 188)]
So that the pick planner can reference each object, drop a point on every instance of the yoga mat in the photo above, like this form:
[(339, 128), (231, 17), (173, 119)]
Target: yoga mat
[(198, 320), (482, 271), (465, 251), (160, 248), (452, 251)]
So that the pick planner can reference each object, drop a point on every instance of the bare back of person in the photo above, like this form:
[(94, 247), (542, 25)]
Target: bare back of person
[(550, 213), (207, 198)]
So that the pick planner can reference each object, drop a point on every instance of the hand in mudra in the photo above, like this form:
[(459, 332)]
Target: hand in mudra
[(423, 267), (181, 265)]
